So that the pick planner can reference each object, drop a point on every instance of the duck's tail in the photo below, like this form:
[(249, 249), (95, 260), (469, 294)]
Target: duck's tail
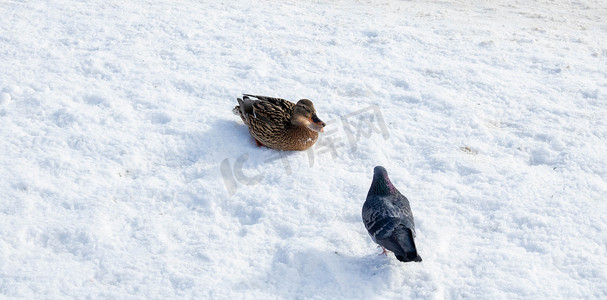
[(244, 107)]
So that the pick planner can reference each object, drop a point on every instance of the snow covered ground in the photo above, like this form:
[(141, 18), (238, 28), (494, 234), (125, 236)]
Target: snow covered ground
[(124, 173)]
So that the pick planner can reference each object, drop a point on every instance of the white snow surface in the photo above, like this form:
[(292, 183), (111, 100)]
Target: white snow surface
[(124, 173)]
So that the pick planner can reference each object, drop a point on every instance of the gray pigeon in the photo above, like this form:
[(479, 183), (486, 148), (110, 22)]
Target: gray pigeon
[(388, 218)]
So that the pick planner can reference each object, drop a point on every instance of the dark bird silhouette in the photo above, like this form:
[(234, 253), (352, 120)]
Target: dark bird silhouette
[(388, 218)]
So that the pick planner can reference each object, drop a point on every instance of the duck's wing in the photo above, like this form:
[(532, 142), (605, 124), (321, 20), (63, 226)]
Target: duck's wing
[(270, 110), (265, 98)]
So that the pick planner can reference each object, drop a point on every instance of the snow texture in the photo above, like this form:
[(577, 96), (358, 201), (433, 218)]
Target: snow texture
[(124, 173)]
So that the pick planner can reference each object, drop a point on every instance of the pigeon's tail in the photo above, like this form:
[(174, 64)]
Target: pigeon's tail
[(405, 250), (410, 257)]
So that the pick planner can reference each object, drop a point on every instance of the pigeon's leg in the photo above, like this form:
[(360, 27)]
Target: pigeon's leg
[(384, 251)]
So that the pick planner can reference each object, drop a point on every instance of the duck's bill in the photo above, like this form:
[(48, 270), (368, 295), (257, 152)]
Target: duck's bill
[(316, 124)]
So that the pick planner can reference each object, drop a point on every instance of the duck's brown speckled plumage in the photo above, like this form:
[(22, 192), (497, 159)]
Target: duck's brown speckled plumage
[(270, 122)]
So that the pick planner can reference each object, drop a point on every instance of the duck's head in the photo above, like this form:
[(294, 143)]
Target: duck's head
[(304, 114)]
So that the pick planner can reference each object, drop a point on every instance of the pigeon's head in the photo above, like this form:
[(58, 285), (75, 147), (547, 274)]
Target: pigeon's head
[(381, 184), (380, 171)]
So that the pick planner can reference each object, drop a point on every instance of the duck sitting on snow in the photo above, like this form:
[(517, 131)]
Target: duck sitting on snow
[(278, 123)]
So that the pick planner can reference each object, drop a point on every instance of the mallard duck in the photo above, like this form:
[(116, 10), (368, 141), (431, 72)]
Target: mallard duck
[(278, 123)]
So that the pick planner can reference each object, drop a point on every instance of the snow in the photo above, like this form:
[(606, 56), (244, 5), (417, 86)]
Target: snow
[(124, 173)]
